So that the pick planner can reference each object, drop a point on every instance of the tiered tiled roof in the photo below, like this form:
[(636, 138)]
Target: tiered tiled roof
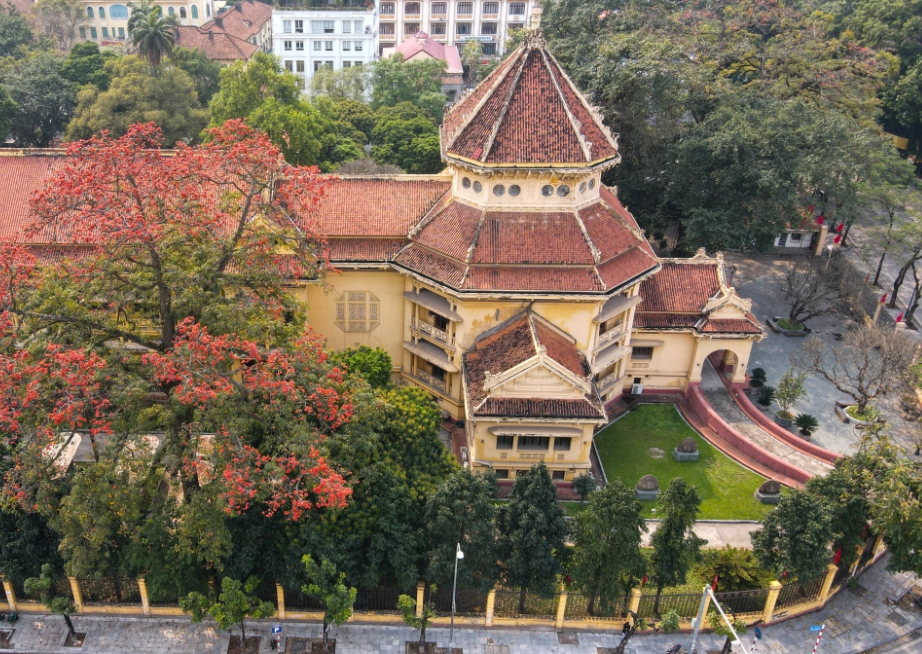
[(679, 295), (592, 250), (527, 112), (216, 44), (522, 338)]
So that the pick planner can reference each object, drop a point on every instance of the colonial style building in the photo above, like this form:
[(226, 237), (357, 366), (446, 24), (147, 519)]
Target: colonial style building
[(108, 21), (514, 287)]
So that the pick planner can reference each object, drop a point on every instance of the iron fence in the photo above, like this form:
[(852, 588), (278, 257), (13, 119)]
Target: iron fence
[(867, 553), (580, 607), (508, 604), (267, 593), (798, 593), (110, 592), (686, 605), (59, 588), (743, 601), (381, 600), (468, 601), (295, 600)]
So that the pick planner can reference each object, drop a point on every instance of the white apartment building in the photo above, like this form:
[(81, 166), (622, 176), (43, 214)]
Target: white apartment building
[(108, 21), (452, 22), (338, 37)]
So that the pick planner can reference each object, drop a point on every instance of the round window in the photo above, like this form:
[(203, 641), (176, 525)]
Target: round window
[(514, 190), (547, 190), (563, 190), (582, 187), (466, 183), (499, 190), (478, 187), (591, 184)]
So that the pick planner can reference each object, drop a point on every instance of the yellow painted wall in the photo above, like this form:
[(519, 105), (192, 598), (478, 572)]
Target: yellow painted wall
[(575, 462), (669, 366)]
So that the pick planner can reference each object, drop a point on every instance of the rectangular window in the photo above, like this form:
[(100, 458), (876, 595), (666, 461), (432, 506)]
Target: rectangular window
[(318, 46), (347, 46), (440, 8), (465, 8), (317, 65), (438, 373), (462, 28), (516, 26), (489, 48), (299, 27), (289, 66), (491, 7), (387, 8), (437, 28), (411, 8), (488, 29), (329, 27), (358, 46), (562, 444), (82, 32), (642, 353), (105, 32), (501, 474), (93, 34), (534, 442), (347, 64), (504, 442), (357, 24), (797, 238), (386, 28), (287, 45), (328, 46), (299, 46), (517, 8), (121, 32), (299, 66), (316, 27), (347, 27), (410, 28), (558, 475), (286, 26)]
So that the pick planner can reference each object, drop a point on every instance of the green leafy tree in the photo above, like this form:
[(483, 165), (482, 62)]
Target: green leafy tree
[(471, 54), (356, 114), (56, 604), (720, 628), (60, 21), (44, 98), (205, 73), (896, 508), (736, 569), (26, 543), (8, 111), (154, 35), (235, 603), (584, 485), (532, 534), (675, 545), (86, 64), (795, 537), (372, 365), (790, 391), (405, 137), (460, 511), (395, 81), (407, 606), (167, 99), (346, 83), (606, 538), (328, 586), (14, 31), (246, 85)]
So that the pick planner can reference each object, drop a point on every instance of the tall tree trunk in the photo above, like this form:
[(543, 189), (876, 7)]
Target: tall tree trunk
[(659, 591), (590, 609), (522, 594), (326, 636), (917, 289), (70, 626), (898, 282), (880, 265), (118, 589), (243, 638), (422, 639), (726, 647)]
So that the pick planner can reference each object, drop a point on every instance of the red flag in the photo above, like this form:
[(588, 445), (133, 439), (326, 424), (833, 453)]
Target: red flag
[(811, 208), (867, 277), (839, 228), (838, 556), (820, 218), (837, 239), (714, 584), (883, 298), (643, 582), (899, 318)]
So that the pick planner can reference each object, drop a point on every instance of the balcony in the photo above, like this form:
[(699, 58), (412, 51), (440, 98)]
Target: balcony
[(610, 336), (432, 332), (431, 381), (608, 356), (606, 383)]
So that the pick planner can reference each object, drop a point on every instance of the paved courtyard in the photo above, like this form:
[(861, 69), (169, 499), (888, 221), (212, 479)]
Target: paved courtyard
[(856, 620)]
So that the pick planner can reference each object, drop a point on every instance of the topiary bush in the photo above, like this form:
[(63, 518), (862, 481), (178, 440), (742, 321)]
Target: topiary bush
[(766, 395), (806, 423)]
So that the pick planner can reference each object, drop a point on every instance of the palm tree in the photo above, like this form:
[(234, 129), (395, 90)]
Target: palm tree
[(153, 33)]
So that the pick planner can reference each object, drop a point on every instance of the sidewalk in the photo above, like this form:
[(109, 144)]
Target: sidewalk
[(856, 620)]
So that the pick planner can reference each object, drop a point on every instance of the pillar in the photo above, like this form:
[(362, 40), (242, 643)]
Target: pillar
[(145, 602), (770, 601), (820, 240), (280, 598), (561, 608), (707, 610), (831, 571), (10, 595), (878, 545), (636, 594), (491, 605), (78, 596), (420, 598)]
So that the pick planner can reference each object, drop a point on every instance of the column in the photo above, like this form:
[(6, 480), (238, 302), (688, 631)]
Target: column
[(770, 601), (878, 545), (831, 571), (491, 604), (561, 608), (10, 595), (280, 598), (636, 594), (145, 602), (78, 596), (420, 598)]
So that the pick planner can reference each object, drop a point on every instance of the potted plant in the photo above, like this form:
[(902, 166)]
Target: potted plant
[(807, 424), (790, 391), (766, 397), (757, 378)]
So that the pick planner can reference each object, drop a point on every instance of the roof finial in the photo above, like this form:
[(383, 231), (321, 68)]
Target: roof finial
[(534, 37), (535, 18)]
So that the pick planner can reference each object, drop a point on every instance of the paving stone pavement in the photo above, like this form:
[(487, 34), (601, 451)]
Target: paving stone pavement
[(854, 623)]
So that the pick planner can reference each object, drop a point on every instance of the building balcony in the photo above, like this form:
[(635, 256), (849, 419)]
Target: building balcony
[(606, 383), (610, 336), (432, 332), (431, 381), (608, 356)]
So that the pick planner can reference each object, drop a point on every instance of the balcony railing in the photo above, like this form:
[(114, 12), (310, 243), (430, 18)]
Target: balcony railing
[(610, 335), (606, 383), (431, 331), (429, 380)]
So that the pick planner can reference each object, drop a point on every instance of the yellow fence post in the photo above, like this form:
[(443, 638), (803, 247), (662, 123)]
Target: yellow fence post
[(636, 594), (420, 598), (145, 601), (10, 595), (280, 597), (878, 545), (561, 608), (770, 601), (78, 596), (491, 604), (831, 571)]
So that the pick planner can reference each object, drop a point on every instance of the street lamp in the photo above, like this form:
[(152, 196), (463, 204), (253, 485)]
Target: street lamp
[(454, 591)]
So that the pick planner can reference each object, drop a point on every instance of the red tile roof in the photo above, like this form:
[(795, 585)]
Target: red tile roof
[(546, 279), (666, 320), (242, 21), (680, 288), (217, 45), (513, 343), (364, 249), (422, 46), (730, 325), (21, 174), (527, 112)]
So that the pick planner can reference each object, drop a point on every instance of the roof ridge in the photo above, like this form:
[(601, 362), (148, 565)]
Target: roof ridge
[(486, 147), (473, 246), (437, 208), (636, 231), (574, 123), (596, 253), (535, 341)]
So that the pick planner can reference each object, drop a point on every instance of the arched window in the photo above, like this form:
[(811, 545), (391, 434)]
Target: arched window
[(102, 13), (182, 12), (171, 11), (118, 11), (194, 11), (89, 12)]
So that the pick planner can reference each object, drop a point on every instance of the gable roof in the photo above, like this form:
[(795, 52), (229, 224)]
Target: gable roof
[(422, 46), (527, 112), (242, 21), (216, 44), (22, 172)]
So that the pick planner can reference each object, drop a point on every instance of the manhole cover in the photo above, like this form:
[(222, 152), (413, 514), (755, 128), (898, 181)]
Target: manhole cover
[(656, 453), (567, 638), (897, 619)]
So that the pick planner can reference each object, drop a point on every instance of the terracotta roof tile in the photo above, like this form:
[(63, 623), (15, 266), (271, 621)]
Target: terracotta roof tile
[(214, 43), (608, 233), (626, 266), (532, 278), (561, 350), (730, 325), (364, 249), (522, 237), (665, 320), (513, 407), (452, 230), (20, 176), (680, 288), (432, 265), (243, 20), (460, 111)]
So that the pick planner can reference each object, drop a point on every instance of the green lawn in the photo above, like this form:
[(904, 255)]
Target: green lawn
[(725, 487)]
